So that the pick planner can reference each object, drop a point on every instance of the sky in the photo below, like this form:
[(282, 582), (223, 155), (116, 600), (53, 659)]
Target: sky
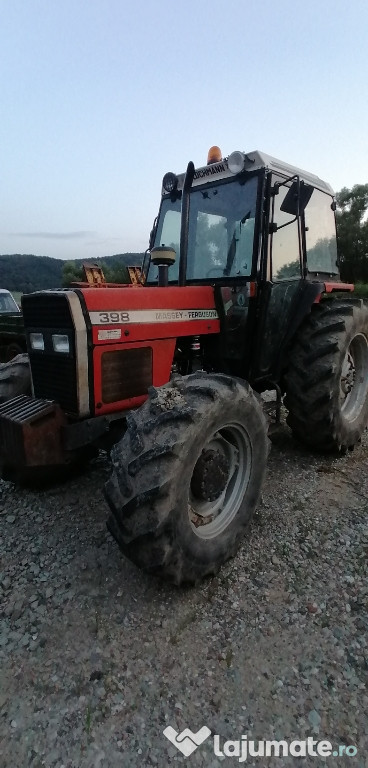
[(99, 98)]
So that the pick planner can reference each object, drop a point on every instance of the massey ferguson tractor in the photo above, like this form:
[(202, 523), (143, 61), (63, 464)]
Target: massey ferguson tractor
[(239, 293)]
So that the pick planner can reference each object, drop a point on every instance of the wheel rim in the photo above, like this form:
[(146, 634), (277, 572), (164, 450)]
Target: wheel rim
[(354, 378), (232, 450)]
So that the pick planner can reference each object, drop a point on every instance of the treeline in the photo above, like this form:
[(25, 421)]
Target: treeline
[(352, 232), (27, 273)]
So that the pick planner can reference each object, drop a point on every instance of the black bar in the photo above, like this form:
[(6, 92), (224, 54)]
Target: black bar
[(163, 275), (185, 205)]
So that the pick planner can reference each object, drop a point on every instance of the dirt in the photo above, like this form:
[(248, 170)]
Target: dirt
[(97, 658)]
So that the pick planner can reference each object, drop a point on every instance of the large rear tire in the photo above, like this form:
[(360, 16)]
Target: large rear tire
[(15, 378), (187, 476), (327, 382)]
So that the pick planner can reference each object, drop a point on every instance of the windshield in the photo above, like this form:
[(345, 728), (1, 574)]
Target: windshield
[(7, 303), (221, 231)]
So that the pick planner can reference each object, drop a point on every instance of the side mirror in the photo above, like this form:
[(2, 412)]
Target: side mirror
[(297, 198)]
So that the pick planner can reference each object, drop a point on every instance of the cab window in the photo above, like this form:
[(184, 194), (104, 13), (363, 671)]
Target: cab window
[(284, 242), (320, 234)]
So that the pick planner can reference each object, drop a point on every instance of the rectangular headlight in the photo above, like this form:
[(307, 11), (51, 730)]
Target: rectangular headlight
[(60, 342), (37, 341)]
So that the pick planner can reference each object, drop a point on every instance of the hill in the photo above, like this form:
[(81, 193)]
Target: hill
[(26, 273)]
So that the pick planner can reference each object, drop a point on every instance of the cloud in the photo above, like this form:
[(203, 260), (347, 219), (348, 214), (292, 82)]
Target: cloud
[(56, 235), (104, 241)]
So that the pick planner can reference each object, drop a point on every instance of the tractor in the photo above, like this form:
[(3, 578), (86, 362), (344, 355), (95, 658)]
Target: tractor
[(239, 293)]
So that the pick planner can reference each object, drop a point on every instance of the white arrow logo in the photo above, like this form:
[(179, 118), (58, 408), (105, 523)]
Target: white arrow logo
[(187, 741)]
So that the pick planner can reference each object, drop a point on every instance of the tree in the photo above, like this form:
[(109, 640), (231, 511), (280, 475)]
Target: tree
[(288, 271), (72, 273), (117, 273), (352, 232)]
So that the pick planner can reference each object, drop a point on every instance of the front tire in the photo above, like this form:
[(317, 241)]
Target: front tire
[(327, 381), (187, 476)]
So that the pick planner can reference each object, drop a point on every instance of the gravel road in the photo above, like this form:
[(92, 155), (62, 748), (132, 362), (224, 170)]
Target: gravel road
[(97, 658)]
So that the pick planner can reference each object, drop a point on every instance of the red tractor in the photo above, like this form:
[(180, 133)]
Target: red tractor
[(240, 293)]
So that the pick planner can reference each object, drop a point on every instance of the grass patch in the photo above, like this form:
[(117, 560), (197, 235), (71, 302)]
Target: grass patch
[(361, 290), (229, 657), (88, 722), (185, 622)]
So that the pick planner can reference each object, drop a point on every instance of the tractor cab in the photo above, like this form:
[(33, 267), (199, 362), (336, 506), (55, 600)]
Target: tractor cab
[(246, 217), (262, 233)]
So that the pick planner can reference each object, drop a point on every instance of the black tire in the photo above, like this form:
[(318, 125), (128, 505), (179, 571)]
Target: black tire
[(15, 378), (327, 381), (164, 484)]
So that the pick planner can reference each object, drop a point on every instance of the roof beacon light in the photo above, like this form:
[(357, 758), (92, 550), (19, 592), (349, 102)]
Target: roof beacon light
[(214, 155), (236, 162)]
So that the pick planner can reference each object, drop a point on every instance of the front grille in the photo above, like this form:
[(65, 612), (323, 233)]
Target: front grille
[(54, 379), (53, 373), (46, 310), (126, 373)]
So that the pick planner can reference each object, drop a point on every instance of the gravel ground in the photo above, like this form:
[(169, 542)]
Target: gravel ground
[(97, 658)]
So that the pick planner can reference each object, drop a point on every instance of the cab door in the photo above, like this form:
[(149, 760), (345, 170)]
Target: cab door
[(282, 287)]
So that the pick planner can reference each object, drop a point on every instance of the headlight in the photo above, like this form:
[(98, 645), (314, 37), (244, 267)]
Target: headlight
[(60, 342), (170, 182), (37, 341), (235, 162)]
